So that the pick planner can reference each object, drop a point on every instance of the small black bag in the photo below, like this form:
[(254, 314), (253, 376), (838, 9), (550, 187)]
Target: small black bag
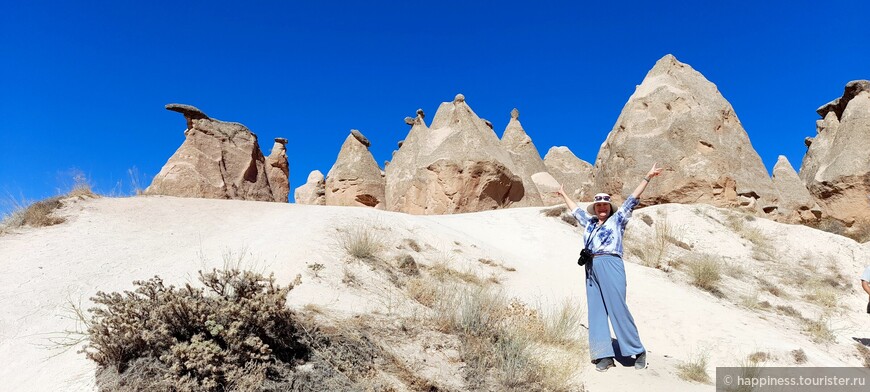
[(585, 257)]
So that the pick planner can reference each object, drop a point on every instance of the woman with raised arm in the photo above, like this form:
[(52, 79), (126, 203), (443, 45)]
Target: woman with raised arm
[(605, 275)]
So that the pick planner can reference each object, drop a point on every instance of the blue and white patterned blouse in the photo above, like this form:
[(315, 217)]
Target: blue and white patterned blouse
[(608, 238)]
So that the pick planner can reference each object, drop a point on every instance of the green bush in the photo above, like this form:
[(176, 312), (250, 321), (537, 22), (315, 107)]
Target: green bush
[(221, 337)]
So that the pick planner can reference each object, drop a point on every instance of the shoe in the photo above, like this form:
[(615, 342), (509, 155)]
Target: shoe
[(604, 364), (640, 362)]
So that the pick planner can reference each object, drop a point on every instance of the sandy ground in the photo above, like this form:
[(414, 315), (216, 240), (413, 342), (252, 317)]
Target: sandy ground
[(107, 243)]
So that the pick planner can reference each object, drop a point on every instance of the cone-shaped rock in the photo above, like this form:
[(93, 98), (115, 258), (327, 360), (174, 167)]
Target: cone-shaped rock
[(218, 160), (795, 202), (573, 173), (836, 167), (678, 118), (527, 160), (355, 178), (314, 190), (278, 171), (456, 165)]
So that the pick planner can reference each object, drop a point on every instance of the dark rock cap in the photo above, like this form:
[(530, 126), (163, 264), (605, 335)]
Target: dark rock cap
[(359, 136), (281, 140), (188, 111), (838, 105)]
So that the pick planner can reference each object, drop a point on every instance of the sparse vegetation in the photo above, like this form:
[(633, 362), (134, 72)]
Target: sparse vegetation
[(654, 251), (41, 213), (222, 337), (315, 269), (695, 369), (759, 357), (863, 354), (705, 271), (799, 356), (361, 242), (819, 330), (501, 342)]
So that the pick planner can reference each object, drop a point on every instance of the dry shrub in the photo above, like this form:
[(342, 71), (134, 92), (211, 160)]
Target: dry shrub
[(361, 242), (216, 338), (413, 245), (759, 357), (424, 291), (695, 369), (441, 271), (41, 213), (770, 288), (705, 271), (863, 354), (502, 342), (799, 356), (762, 244), (819, 330), (654, 251), (788, 310), (554, 212), (823, 295)]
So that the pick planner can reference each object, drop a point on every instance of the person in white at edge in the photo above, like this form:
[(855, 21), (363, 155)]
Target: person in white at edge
[(605, 278)]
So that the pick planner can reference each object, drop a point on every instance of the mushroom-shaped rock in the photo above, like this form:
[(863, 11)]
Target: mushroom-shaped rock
[(217, 160), (527, 161), (314, 190), (278, 171), (355, 178)]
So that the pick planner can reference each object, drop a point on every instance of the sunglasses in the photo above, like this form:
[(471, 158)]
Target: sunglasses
[(602, 198)]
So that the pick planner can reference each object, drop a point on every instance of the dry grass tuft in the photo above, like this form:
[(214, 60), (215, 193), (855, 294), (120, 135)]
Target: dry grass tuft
[(705, 271), (799, 356), (819, 330), (695, 369), (863, 354), (361, 242), (41, 213)]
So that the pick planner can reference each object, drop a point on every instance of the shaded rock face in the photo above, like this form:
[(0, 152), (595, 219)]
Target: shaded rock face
[(355, 179), (547, 186), (218, 160), (678, 118), (527, 160), (278, 171), (456, 165), (314, 190), (836, 167), (796, 205), (573, 173)]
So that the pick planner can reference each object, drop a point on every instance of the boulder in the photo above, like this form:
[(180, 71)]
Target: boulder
[(314, 190), (278, 171), (355, 179), (678, 118), (836, 167), (795, 204), (217, 160), (573, 173), (456, 165), (526, 158)]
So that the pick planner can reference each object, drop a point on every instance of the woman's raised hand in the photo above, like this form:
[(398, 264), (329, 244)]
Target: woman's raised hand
[(654, 171)]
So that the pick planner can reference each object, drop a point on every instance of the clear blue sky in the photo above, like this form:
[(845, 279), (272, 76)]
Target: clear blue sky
[(84, 83)]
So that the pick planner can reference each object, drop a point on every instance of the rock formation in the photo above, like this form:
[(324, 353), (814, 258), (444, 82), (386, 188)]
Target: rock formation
[(314, 190), (547, 186), (573, 173), (678, 118), (355, 179), (796, 204), (218, 160), (278, 170), (527, 160), (457, 165), (836, 167)]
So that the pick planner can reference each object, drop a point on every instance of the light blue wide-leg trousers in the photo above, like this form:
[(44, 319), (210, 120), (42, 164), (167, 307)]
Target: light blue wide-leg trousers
[(605, 298)]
